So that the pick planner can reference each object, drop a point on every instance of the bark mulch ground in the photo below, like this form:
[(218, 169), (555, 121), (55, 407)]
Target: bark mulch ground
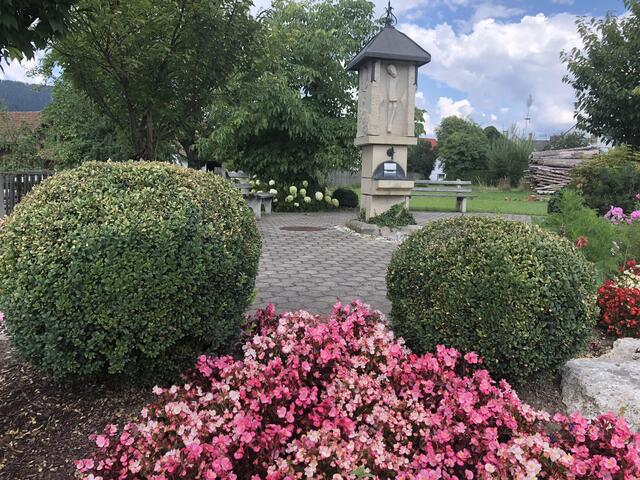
[(44, 426)]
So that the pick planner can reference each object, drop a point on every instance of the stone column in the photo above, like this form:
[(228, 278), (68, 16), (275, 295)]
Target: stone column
[(386, 109)]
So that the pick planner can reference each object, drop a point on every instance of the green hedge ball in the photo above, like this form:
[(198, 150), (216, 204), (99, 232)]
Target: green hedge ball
[(126, 270), (521, 297)]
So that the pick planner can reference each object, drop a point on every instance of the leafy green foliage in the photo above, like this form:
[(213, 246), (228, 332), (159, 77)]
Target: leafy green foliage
[(155, 81), (397, 216), (126, 270), (611, 179), (463, 146), (19, 145), (347, 197), (29, 25), (555, 200), (517, 295), (78, 132), (492, 133), (293, 116), (422, 158), (604, 73), (607, 245), (508, 158), (567, 140), (573, 220)]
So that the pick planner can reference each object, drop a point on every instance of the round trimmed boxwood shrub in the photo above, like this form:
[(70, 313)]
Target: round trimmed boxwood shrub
[(347, 197), (521, 297), (126, 270)]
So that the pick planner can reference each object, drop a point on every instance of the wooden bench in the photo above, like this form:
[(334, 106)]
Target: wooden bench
[(459, 189), (255, 200)]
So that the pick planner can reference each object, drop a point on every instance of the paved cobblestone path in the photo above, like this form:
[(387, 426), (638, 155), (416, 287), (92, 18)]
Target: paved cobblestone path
[(313, 268)]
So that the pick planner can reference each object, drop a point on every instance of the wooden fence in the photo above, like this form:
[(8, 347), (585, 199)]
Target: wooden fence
[(15, 185)]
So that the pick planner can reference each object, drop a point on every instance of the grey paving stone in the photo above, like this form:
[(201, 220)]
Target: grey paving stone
[(311, 270)]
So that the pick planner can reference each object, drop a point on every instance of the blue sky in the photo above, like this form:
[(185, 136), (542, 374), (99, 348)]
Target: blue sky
[(488, 57)]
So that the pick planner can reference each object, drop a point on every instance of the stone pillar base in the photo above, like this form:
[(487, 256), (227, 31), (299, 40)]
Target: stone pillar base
[(374, 205)]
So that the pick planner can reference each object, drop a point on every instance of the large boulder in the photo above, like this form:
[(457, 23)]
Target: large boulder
[(610, 383)]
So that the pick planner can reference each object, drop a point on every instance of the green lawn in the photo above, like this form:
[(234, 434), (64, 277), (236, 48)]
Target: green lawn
[(489, 200)]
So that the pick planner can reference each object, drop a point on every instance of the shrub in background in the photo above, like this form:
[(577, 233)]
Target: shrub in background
[(554, 200), (296, 196), (341, 398), (508, 158), (397, 216), (619, 302), (521, 297), (126, 269), (610, 179), (607, 241), (573, 220), (346, 197), (421, 158)]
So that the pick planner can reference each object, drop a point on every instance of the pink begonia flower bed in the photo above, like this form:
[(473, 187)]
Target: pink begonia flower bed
[(342, 398)]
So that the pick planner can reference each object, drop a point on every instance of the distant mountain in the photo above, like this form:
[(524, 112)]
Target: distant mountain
[(24, 97)]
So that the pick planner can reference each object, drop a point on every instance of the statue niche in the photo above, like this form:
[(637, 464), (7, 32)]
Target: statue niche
[(385, 91)]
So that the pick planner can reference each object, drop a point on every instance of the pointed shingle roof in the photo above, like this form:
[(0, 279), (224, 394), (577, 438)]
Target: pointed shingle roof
[(390, 44)]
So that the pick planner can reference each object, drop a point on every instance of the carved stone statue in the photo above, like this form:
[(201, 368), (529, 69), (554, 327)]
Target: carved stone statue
[(392, 96)]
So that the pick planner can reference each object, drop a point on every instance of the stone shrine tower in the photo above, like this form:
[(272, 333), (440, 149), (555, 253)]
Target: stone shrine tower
[(388, 75)]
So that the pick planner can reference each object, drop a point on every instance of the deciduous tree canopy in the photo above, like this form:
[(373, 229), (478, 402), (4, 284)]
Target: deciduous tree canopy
[(463, 146), (151, 67), (28, 25), (605, 73), (293, 116)]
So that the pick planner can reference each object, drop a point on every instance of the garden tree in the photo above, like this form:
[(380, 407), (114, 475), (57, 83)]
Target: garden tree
[(463, 147), (492, 133), (293, 115), (604, 74), (566, 140), (77, 131), (29, 25), (151, 67), (422, 158)]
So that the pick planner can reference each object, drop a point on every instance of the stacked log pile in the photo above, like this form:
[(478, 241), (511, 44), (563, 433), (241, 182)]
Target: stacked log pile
[(550, 170)]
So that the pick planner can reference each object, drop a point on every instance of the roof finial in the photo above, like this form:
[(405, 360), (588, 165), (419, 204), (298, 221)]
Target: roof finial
[(391, 19)]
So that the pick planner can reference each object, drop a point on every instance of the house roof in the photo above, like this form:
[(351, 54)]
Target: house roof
[(432, 141), (14, 120), (390, 44)]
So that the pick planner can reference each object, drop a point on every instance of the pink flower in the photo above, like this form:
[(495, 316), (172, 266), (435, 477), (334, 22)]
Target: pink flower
[(615, 215), (472, 358), (582, 242), (343, 393), (102, 441)]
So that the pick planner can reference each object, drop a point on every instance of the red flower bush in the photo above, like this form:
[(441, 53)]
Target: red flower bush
[(341, 398), (619, 302)]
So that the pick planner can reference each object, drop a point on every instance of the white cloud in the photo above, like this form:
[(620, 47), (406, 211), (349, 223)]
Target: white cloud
[(497, 65), (21, 71), (447, 107), (491, 10), (563, 2)]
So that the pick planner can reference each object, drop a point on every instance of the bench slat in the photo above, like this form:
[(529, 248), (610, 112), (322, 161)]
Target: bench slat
[(443, 190), (426, 194), (444, 182)]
